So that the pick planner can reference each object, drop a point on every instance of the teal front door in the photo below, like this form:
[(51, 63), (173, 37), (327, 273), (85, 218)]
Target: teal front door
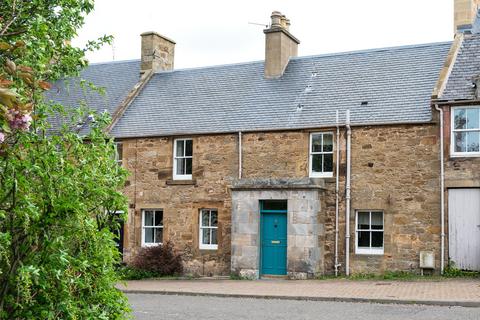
[(273, 239)]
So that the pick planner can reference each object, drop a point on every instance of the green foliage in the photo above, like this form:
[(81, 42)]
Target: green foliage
[(161, 259), (58, 189), (451, 271), (131, 273)]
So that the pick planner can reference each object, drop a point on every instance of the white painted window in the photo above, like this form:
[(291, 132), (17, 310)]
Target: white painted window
[(369, 232), (182, 159), (119, 152), (465, 137), (152, 227), (208, 229), (321, 154)]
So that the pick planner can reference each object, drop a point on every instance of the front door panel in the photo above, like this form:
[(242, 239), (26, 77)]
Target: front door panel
[(274, 243)]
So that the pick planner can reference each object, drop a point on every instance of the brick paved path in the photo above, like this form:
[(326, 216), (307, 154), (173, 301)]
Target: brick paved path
[(445, 292)]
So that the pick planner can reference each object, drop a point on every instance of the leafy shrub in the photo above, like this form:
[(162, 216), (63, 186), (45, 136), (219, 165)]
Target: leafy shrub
[(451, 271), (130, 273), (162, 260)]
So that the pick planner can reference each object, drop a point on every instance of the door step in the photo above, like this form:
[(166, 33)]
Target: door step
[(273, 277)]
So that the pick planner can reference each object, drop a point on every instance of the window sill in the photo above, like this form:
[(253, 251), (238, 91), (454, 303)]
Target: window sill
[(321, 176), (367, 252), (208, 248), (171, 182), (465, 155), (148, 245)]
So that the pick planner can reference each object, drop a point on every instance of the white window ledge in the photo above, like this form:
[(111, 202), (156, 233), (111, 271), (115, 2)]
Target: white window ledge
[(146, 245), (369, 251), (321, 175), (208, 246), (465, 155)]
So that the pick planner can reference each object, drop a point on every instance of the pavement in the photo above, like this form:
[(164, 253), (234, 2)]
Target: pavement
[(156, 307), (449, 292)]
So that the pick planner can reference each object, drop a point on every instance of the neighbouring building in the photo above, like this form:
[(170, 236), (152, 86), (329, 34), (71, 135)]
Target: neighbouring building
[(459, 101), (298, 166)]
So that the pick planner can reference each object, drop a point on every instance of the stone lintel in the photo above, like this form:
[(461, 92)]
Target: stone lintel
[(282, 183)]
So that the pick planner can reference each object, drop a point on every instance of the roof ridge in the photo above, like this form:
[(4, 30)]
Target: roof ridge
[(113, 62), (392, 48), (332, 54)]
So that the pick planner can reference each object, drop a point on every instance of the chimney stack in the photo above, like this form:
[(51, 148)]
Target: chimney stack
[(465, 12), (157, 52), (280, 45)]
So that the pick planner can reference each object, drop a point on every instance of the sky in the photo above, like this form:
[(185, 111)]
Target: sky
[(213, 32)]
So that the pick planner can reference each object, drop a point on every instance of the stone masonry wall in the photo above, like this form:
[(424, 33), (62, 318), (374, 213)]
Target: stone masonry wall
[(460, 172), (394, 169)]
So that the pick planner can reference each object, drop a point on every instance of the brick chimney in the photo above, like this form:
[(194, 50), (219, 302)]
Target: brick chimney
[(280, 45), (465, 12), (157, 52)]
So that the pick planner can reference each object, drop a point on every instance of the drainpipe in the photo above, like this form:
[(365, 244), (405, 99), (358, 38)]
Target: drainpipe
[(336, 195), (239, 155), (442, 194), (347, 196)]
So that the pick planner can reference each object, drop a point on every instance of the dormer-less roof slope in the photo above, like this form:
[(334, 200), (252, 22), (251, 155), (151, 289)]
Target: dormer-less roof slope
[(396, 83), (460, 84), (117, 78)]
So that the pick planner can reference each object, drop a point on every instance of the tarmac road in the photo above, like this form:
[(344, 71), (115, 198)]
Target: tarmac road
[(157, 306)]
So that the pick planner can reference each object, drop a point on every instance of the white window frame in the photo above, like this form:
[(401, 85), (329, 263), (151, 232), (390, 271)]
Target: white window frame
[(453, 130), (312, 174), (181, 176), (151, 244), (118, 157), (203, 246), (370, 250)]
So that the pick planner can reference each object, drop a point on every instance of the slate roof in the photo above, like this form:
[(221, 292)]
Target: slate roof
[(467, 66), (117, 78), (396, 82)]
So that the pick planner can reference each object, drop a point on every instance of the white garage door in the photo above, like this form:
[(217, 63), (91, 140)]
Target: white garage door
[(464, 228)]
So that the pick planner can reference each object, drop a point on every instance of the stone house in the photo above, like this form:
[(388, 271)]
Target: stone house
[(290, 166), (458, 102)]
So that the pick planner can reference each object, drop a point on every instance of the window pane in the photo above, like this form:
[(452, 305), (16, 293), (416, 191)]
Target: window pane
[(472, 118), (180, 150), (364, 239), (317, 163), (214, 236), (459, 118), (472, 141), (460, 141), (188, 148), (328, 163), (205, 218), (327, 143), (119, 151), (377, 220), (363, 220), (377, 239), (274, 204), (214, 220), (188, 166), (148, 218), (205, 236), (158, 235), (159, 218), (317, 143), (148, 235), (180, 166)]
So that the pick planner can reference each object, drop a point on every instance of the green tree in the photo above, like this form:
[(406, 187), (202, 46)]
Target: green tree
[(58, 189)]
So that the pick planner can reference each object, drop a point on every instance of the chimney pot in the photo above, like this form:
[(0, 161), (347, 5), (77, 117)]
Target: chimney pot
[(276, 19)]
